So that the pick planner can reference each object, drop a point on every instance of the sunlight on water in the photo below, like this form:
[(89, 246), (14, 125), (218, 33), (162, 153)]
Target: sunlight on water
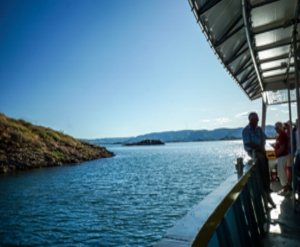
[(128, 200)]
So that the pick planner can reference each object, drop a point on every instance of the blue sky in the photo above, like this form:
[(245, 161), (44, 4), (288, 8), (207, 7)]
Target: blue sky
[(115, 69)]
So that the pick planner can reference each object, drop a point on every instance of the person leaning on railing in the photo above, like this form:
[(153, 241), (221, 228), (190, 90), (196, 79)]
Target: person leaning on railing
[(254, 138)]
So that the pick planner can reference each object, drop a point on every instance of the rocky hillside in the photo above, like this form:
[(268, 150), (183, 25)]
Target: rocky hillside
[(25, 146)]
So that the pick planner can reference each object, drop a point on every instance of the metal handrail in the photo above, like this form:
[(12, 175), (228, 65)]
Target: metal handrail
[(207, 223)]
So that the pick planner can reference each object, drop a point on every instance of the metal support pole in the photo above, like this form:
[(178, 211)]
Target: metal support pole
[(296, 79), (291, 140), (297, 99), (264, 111)]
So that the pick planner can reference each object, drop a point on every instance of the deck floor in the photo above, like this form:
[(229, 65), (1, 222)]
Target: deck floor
[(284, 227)]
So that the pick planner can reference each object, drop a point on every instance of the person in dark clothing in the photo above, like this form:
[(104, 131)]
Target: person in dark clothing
[(254, 140)]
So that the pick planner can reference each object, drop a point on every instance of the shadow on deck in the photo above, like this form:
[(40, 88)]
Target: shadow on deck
[(284, 229)]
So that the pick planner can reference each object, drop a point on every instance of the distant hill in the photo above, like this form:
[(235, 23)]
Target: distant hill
[(184, 136)]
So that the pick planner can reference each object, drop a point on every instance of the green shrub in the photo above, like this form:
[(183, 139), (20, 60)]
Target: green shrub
[(22, 131), (57, 154), (24, 123), (18, 137), (53, 135)]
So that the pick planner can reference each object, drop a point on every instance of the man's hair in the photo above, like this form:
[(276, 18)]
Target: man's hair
[(279, 125), (251, 115)]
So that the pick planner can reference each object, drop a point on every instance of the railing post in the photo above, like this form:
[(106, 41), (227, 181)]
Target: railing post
[(250, 215), (240, 215), (223, 234), (257, 195)]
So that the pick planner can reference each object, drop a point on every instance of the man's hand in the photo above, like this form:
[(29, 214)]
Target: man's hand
[(256, 147), (260, 148)]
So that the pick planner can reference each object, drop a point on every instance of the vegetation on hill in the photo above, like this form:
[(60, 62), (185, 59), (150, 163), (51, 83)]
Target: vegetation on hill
[(24, 146)]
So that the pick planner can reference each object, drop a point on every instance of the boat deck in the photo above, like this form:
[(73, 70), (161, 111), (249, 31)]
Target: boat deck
[(284, 227)]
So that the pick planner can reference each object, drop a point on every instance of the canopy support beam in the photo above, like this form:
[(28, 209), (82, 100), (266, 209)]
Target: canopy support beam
[(267, 60), (263, 3), (264, 111), (246, 17), (274, 45), (249, 81), (237, 53), (276, 68), (283, 25), (243, 67), (251, 85), (207, 5), (257, 90), (229, 33), (250, 75), (275, 76)]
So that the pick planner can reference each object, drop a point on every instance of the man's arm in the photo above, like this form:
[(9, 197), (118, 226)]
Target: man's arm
[(252, 145), (260, 147)]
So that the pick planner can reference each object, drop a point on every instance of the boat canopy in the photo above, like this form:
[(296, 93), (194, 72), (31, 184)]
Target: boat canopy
[(254, 40)]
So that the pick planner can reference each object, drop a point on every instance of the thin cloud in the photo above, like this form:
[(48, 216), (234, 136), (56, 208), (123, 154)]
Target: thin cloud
[(221, 121), (285, 111), (244, 114), (272, 109), (205, 120)]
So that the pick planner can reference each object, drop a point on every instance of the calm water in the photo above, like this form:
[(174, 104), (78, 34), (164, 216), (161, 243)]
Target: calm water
[(128, 200)]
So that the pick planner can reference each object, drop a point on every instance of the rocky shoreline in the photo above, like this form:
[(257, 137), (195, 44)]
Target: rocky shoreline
[(26, 157), (25, 146)]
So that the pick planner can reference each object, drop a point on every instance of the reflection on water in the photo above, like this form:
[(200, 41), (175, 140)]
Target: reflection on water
[(128, 200)]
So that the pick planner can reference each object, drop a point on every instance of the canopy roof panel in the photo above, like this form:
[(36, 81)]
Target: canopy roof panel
[(252, 39), (280, 96)]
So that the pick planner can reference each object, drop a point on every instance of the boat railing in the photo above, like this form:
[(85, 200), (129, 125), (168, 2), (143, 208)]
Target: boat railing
[(234, 214)]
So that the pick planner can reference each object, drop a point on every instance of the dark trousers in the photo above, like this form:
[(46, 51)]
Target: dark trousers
[(263, 165)]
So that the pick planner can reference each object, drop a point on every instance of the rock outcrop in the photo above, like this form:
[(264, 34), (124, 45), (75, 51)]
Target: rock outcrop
[(145, 142), (25, 146)]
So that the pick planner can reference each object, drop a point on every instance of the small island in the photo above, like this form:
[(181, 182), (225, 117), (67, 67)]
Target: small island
[(25, 146), (145, 142)]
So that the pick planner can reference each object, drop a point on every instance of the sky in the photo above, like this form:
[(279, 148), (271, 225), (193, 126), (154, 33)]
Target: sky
[(96, 69)]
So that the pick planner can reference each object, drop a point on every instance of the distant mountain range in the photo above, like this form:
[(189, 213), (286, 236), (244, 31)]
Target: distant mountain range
[(184, 136)]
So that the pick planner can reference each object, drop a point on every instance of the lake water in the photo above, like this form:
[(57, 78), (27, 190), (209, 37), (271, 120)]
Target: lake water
[(131, 199)]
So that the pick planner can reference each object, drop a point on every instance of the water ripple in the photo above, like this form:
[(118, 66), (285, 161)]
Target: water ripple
[(128, 200)]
